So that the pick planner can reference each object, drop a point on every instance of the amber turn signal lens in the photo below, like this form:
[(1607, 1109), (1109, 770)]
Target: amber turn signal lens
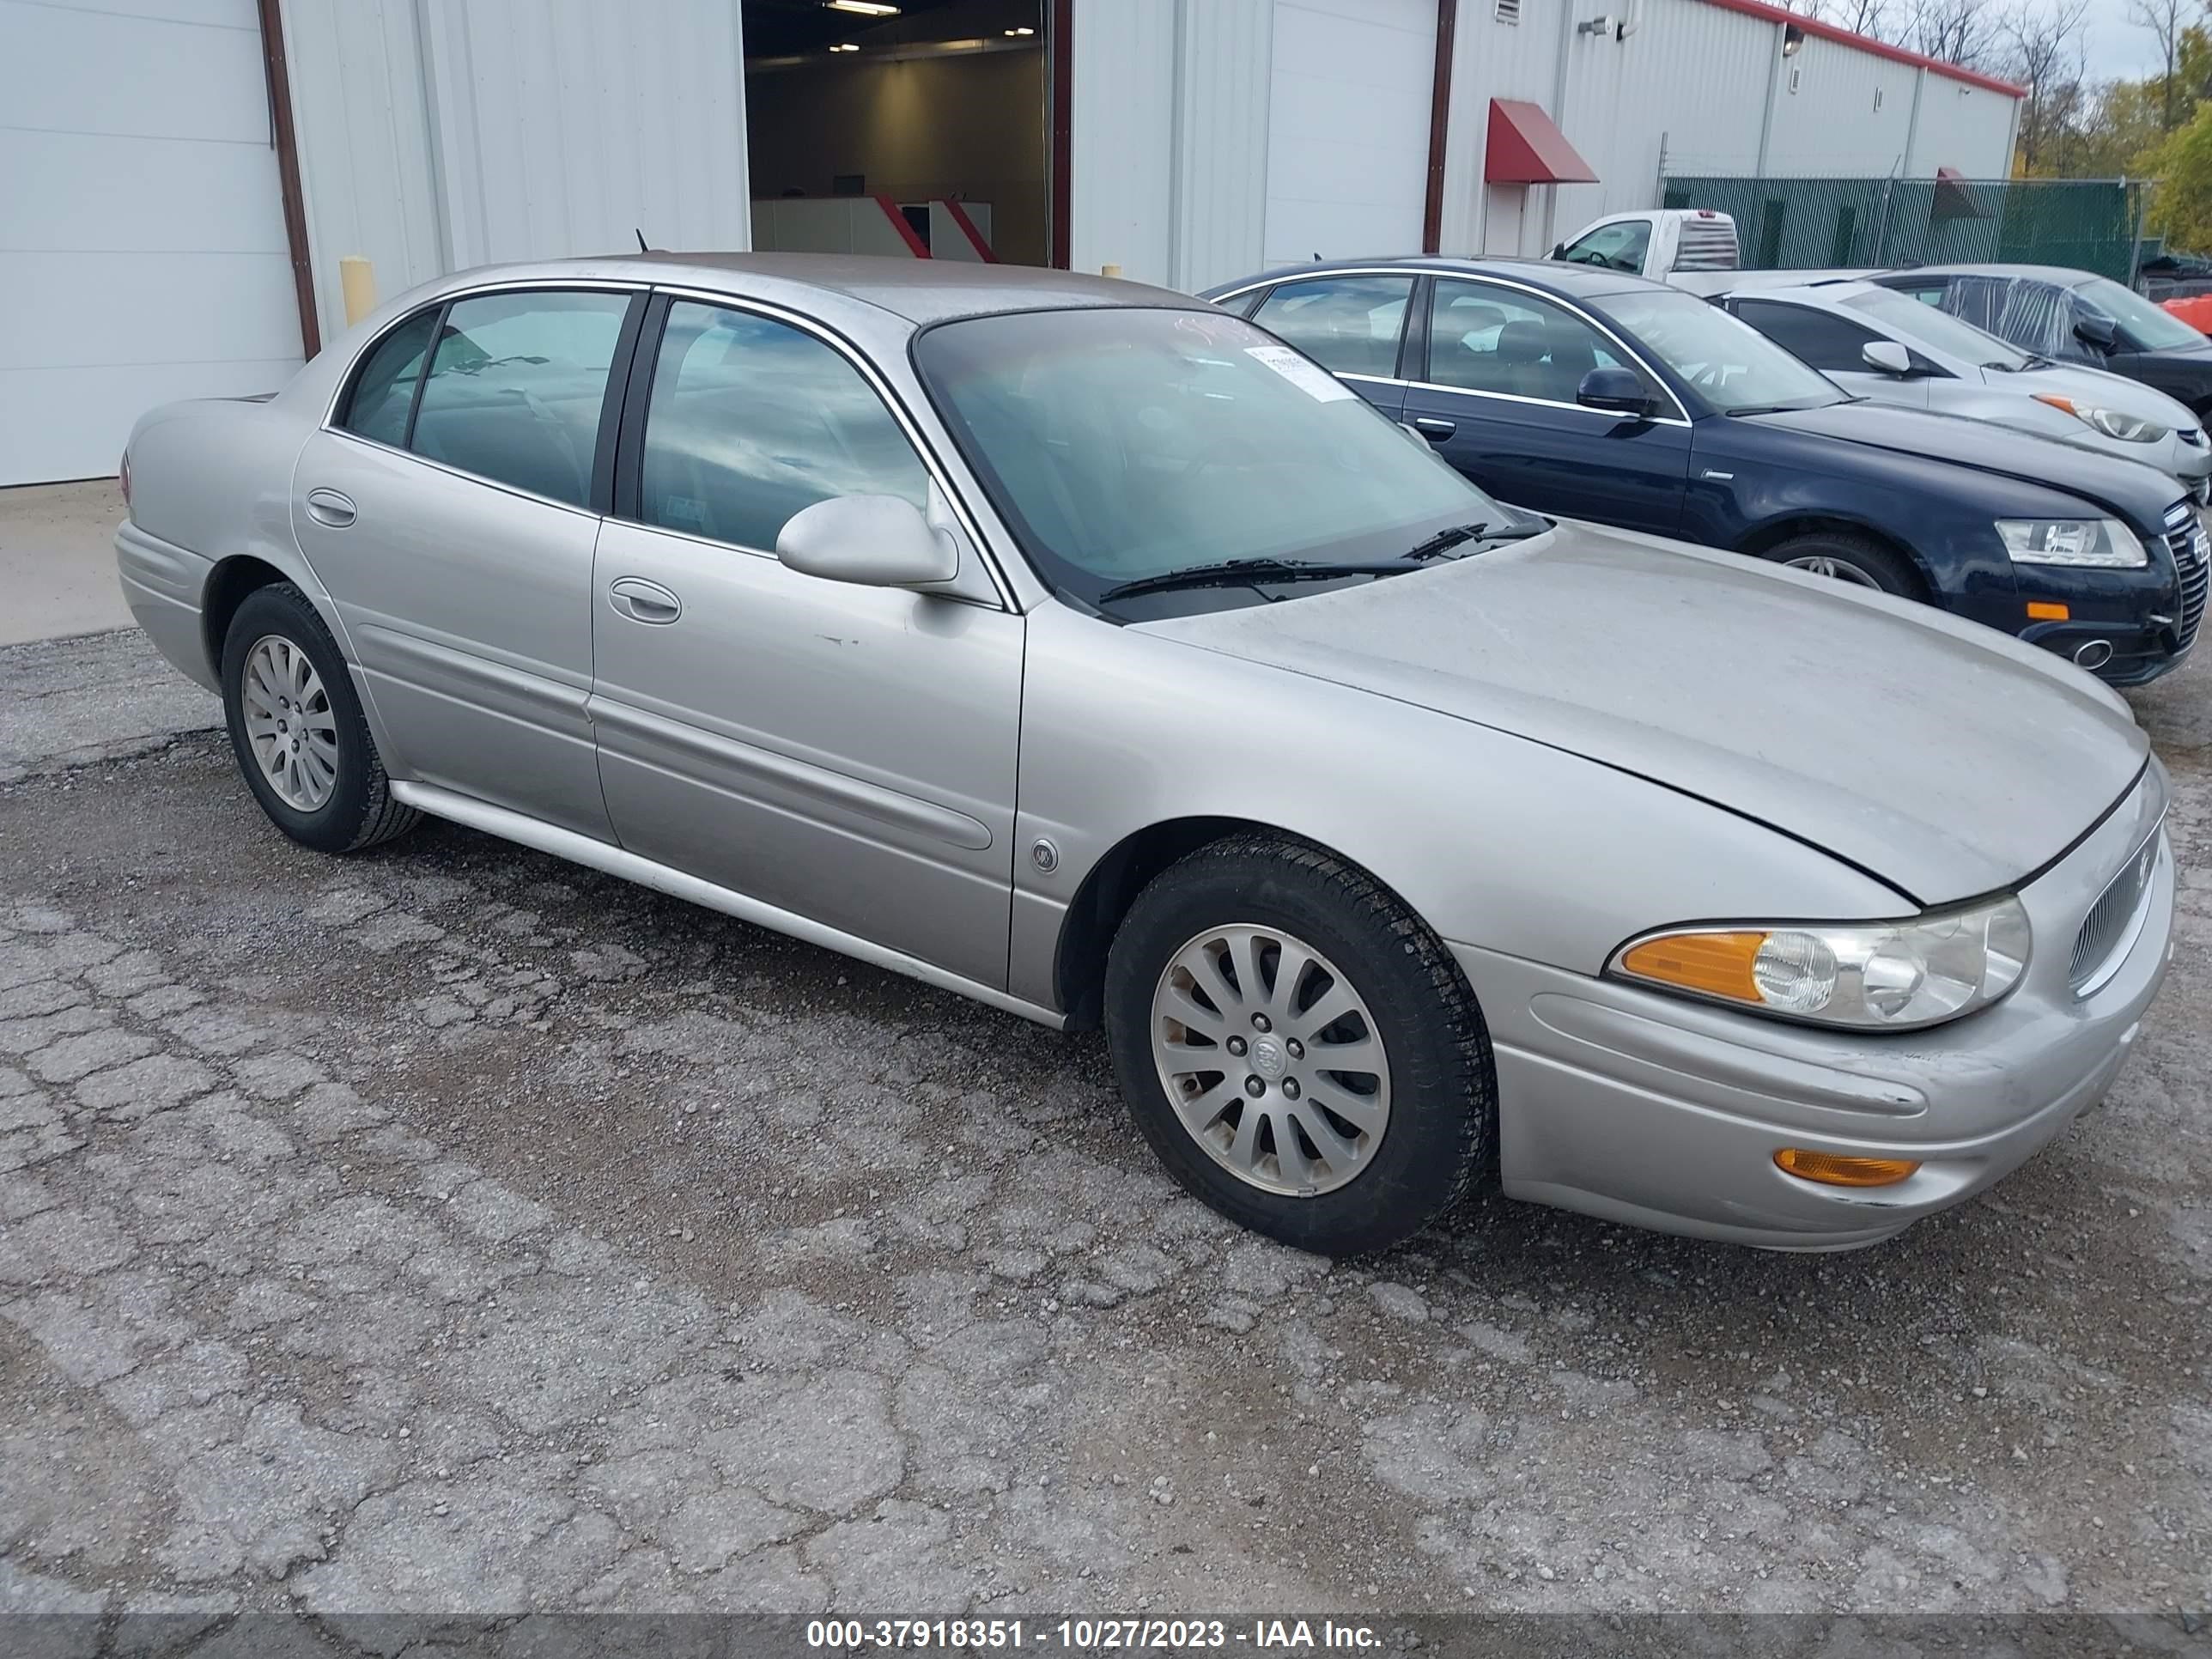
[(1831, 1170), (1719, 964), (2047, 610)]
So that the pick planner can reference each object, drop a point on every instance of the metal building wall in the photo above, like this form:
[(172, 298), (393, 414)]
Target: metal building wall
[(1168, 150), (1702, 89), (440, 134)]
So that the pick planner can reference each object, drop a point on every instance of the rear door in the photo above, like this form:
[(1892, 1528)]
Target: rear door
[(452, 517), (844, 753), (1353, 325), (1498, 399)]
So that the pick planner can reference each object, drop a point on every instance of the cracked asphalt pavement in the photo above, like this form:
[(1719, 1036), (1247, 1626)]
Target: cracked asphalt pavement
[(448, 1229)]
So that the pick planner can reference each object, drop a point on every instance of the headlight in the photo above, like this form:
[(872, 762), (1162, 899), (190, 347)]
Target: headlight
[(2127, 427), (1880, 975), (2105, 543)]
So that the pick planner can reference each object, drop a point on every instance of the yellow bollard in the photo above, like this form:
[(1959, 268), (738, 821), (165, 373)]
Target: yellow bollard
[(1109, 270), (357, 278)]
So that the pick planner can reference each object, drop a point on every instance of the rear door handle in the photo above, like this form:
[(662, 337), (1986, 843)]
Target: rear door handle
[(1434, 430), (329, 506), (644, 601)]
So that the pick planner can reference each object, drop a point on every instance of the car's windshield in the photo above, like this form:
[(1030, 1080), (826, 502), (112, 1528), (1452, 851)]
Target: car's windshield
[(1125, 443), (2148, 327), (1735, 368), (1937, 329)]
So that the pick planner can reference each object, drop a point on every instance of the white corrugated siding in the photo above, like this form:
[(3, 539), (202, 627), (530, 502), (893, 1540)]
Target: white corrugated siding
[(1691, 83), (440, 134), (143, 255)]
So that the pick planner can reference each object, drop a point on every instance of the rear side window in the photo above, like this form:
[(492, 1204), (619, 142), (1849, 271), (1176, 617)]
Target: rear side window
[(1349, 324), (1819, 339), (384, 389), (751, 420), (516, 386)]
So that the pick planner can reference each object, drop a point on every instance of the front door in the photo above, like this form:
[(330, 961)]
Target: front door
[(453, 522), (843, 752), (1498, 402)]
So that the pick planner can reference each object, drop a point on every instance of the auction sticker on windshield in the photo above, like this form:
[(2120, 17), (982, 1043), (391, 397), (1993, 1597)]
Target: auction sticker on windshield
[(1316, 383)]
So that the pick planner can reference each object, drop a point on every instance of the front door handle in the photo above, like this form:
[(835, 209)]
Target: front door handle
[(329, 506), (1434, 430), (644, 601)]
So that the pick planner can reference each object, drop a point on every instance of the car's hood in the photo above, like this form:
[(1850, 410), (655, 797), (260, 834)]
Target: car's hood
[(2095, 386), (1941, 756), (2136, 491)]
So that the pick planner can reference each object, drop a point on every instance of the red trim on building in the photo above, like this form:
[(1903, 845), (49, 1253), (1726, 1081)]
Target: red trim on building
[(968, 229), (1527, 148), (1813, 25), (915, 246)]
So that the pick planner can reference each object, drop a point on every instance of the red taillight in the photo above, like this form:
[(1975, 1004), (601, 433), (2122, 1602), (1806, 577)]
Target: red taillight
[(122, 477)]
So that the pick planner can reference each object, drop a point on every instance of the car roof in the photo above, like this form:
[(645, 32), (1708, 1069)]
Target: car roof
[(921, 290), (2064, 275), (1554, 275)]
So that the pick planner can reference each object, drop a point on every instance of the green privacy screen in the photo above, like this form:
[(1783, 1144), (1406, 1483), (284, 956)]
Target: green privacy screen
[(1801, 224)]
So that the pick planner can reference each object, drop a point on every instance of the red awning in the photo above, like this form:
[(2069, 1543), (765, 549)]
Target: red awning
[(1527, 148)]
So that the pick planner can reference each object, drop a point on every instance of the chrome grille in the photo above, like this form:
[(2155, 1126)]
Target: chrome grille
[(2110, 923), (2192, 562)]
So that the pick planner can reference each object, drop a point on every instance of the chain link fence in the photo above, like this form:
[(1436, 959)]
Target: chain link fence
[(1800, 224)]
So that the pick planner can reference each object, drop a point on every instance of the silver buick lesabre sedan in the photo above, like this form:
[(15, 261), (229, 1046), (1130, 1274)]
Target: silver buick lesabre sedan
[(1081, 649)]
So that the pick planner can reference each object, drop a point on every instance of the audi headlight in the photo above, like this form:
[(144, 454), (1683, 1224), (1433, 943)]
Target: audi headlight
[(1880, 975), (2129, 429), (2103, 542)]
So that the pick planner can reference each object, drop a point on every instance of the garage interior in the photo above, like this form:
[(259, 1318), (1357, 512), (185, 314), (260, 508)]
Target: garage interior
[(919, 129)]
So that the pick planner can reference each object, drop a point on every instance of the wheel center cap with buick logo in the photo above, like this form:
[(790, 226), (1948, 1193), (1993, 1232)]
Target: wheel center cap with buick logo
[(1268, 1058)]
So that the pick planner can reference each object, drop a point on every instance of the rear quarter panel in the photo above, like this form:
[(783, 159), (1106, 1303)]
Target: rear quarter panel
[(210, 481)]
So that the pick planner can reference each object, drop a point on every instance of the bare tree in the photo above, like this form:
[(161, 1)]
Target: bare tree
[(1967, 33), (2166, 18), (1867, 18), (2043, 52)]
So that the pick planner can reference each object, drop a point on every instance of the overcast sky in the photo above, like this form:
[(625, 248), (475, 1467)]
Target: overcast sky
[(2117, 49)]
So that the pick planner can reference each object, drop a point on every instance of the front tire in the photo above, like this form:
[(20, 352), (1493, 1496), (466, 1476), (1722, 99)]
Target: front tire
[(1298, 1048), (297, 729), (1859, 561)]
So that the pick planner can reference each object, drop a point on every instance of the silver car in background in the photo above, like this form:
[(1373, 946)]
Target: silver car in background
[(1876, 343), (1080, 648)]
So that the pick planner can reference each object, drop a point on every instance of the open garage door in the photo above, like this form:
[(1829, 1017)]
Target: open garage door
[(1348, 127), (915, 129), (142, 254)]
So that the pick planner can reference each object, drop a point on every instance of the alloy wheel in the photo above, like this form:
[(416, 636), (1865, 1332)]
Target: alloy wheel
[(1271, 1059), (1842, 570), (288, 723)]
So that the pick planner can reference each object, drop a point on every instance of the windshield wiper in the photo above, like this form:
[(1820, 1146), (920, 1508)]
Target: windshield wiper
[(1231, 573), (1482, 530)]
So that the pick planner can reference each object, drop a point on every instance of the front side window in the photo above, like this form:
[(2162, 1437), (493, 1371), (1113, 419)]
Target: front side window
[(1734, 367), (1348, 324), (1615, 247), (384, 387), (1818, 338), (1497, 339), (2145, 326), (516, 388), (1128, 443), (751, 420)]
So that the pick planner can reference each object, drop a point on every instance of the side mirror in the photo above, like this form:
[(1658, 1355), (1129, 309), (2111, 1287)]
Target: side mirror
[(1887, 357), (2098, 332), (875, 541), (1559, 251), (1616, 390)]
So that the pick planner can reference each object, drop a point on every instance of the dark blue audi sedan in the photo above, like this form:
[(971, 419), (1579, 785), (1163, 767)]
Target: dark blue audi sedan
[(1585, 393)]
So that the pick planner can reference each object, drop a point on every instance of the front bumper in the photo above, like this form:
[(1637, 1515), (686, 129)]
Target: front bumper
[(1666, 1112)]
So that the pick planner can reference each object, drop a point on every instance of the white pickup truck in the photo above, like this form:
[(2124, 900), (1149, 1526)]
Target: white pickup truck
[(1655, 242)]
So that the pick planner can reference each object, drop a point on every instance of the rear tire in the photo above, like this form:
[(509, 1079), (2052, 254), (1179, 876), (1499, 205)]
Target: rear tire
[(1238, 1101), (1859, 561), (297, 729)]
